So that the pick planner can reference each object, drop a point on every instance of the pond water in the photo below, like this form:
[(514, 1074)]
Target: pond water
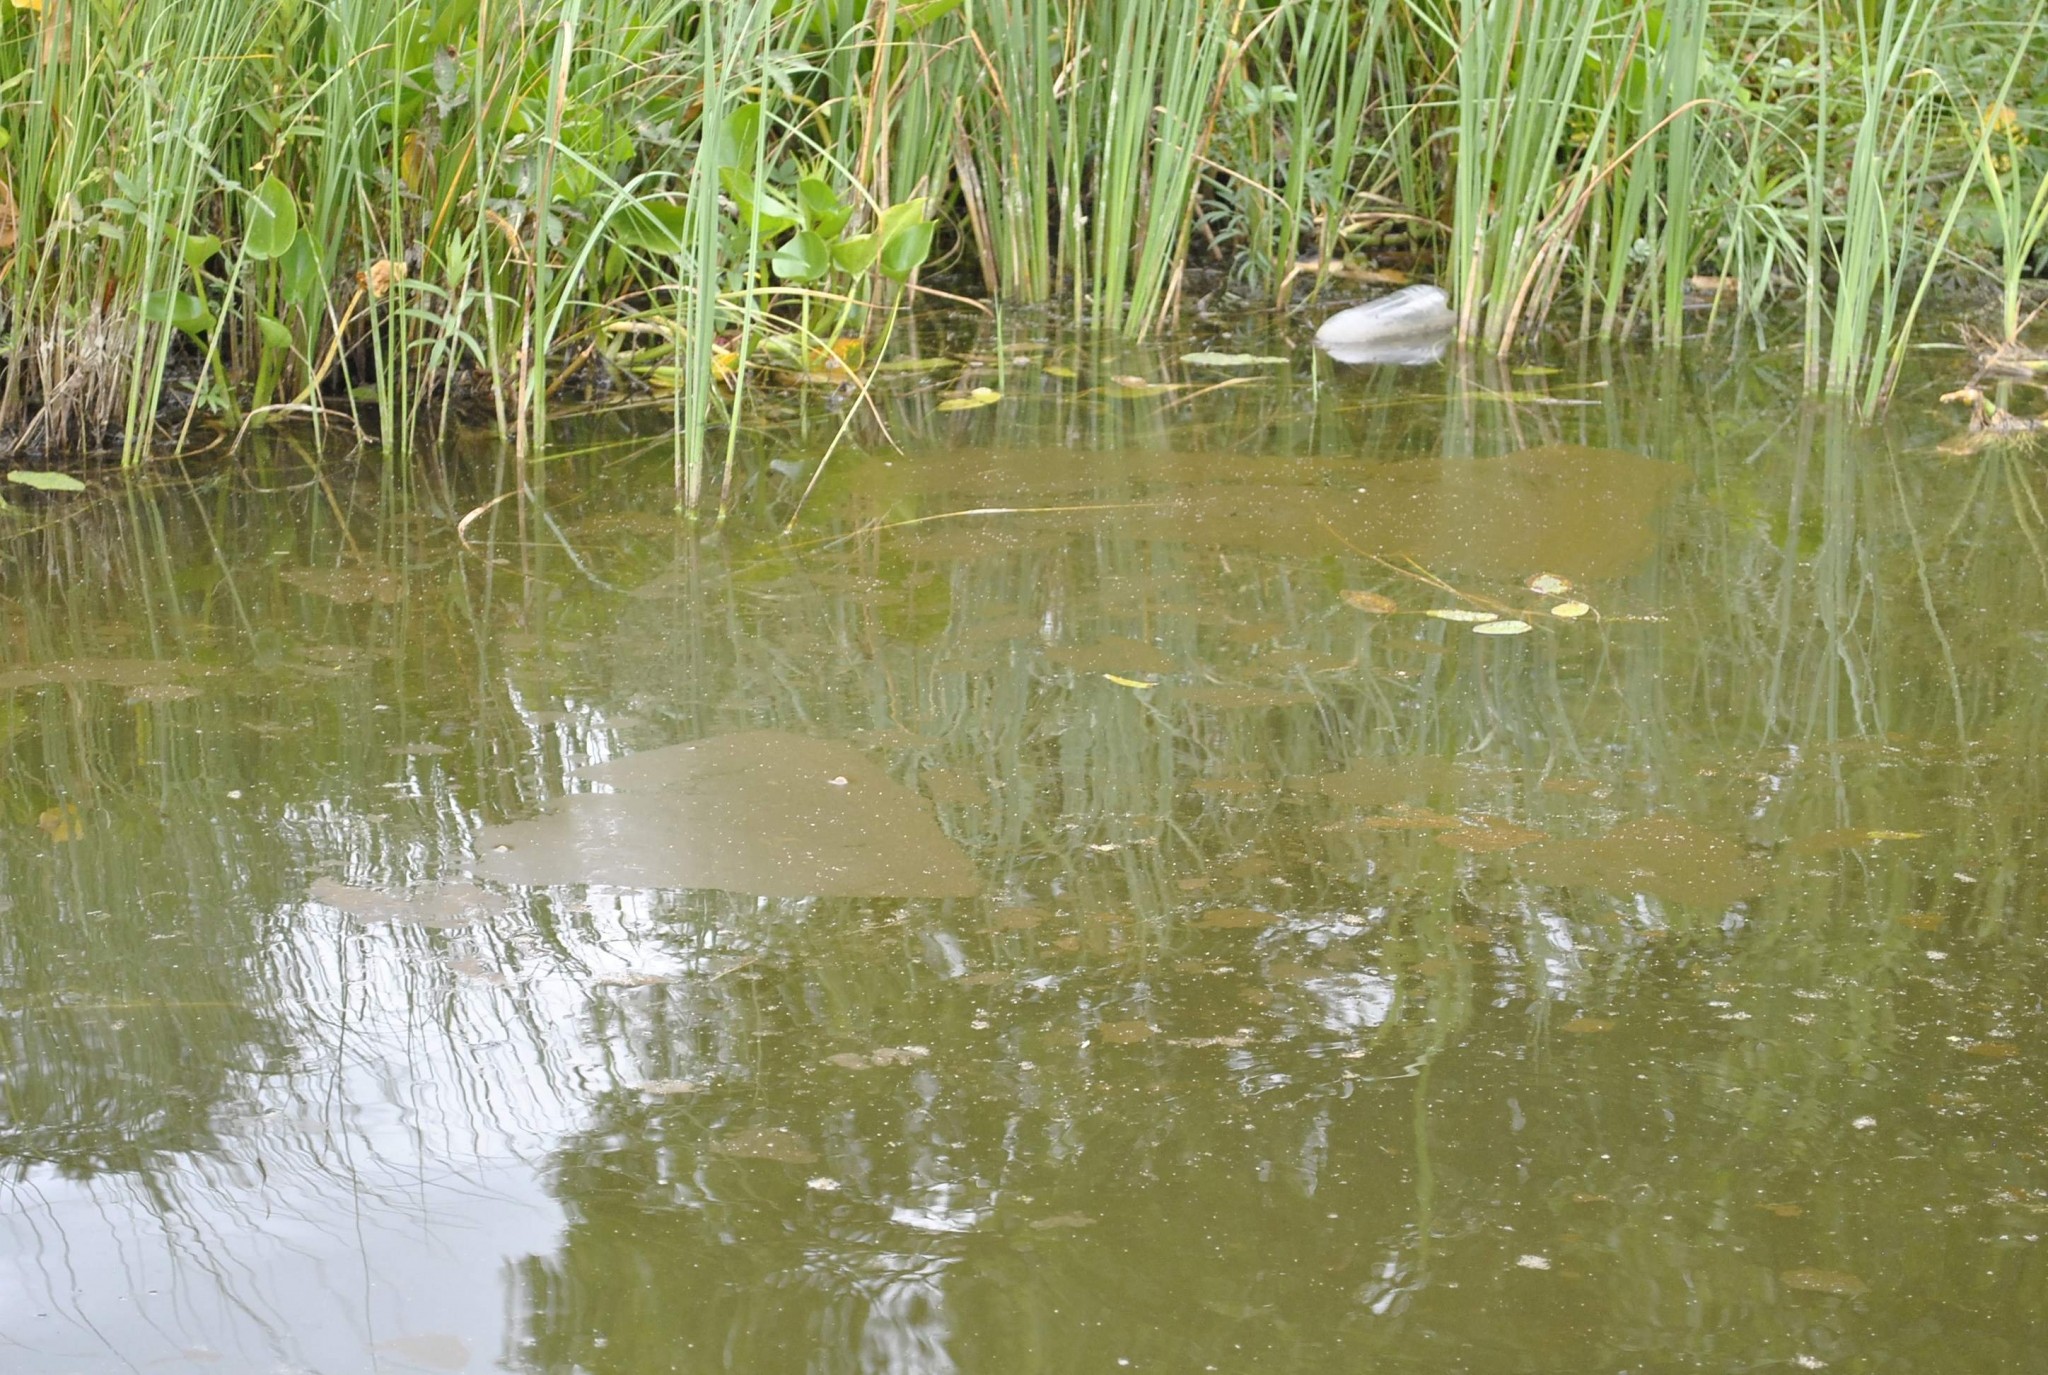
[(1064, 906)]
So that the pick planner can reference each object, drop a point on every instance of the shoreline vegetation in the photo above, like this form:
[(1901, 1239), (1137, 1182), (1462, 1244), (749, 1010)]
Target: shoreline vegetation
[(391, 219)]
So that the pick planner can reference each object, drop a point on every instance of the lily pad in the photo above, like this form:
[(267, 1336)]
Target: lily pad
[(973, 401)]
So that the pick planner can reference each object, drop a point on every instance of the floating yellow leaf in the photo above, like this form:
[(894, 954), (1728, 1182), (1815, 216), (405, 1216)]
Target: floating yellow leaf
[(973, 401), (1549, 585), (837, 359), (1461, 615), (1502, 628), (1570, 611), (1138, 683), (62, 823), (1368, 601), (1897, 835), (1065, 374)]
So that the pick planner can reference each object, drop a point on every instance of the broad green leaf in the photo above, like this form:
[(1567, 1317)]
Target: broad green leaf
[(178, 309), (822, 207), (740, 136), (275, 336), (1231, 360), (655, 226), (899, 216), (759, 207), (804, 258), (301, 269), (273, 221), (199, 248), (912, 17), (856, 255), (904, 251), (46, 482)]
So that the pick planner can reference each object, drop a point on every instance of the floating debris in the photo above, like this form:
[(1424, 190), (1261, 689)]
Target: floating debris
[(1125, 1033), (1839, 1283), (1235, 919), (1408, 327), (879, 1058), (667, 1088), (778, 1144), (1487, 837), (762, 812), (438, 906)]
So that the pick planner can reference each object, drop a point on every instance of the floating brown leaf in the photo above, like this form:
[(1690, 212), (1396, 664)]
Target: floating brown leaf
[(1369, 601)]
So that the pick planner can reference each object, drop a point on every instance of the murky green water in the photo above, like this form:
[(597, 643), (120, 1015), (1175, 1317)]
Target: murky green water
[(1071, 938)]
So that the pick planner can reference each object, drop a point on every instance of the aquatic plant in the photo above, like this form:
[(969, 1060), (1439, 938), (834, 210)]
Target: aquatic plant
[(390, 218)]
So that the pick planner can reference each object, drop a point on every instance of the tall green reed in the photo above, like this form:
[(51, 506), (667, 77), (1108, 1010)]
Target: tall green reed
[(494, 201)]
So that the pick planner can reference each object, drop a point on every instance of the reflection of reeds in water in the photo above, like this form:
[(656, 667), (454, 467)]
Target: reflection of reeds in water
[(1844, 651)]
